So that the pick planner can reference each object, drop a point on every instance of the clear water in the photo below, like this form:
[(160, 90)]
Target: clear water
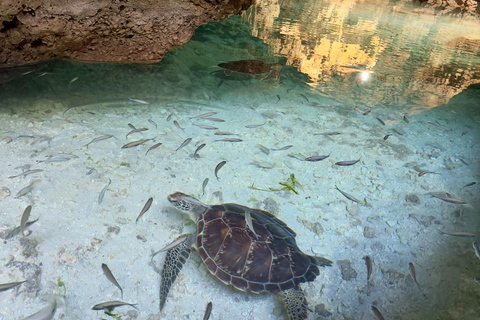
[(345, 65)]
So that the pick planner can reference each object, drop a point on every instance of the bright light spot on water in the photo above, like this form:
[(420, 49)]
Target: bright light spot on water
[(364, 76)]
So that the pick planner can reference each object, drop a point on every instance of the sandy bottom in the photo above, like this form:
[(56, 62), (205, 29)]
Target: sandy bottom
[(396, 221)]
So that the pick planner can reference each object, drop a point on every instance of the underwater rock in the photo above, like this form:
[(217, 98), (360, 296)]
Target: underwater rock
[(29, 247), (346, 269), (104, 30), (413, 198)]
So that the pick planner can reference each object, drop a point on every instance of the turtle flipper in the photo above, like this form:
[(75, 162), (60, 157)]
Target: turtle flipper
[(295, 303), (174, 261)]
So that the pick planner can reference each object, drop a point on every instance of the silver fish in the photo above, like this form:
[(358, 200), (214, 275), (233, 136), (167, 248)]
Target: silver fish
[(184, 143), (304, 97), (26, 190), (449, 199), (204, 185), (156, 145), (317, 158), (131, 126), (135, 131), (135, 143), (411, 267), (208, 311), (334, 133), (263, 164), (200, 147), (153, 123), (264, 149), (11, 285), (283, 148), (206, 127), (386, 136), (169, 117), (230, 140), (175, 242), (218, 167), (476, 248), (298, 156), (253, 126), (108, 273), (348, 196), (346, 163), (381, 121), (46, 313), (16, 230), (113, 304), (24, 219), (368, 262), (208, 114), (175, 122), (460, 234), (215, 119), (145, 208), (73, 80), (225, 133), (138, 101), (102, 193), (249, 221), (469, 184), (26, 173)]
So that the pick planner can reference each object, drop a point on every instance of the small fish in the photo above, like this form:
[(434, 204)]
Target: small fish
[(264, 149), (105, 137), (175, 243), (16, 230), (108, 273), (298, 156), (138, 101), (449, 199), (386, 137), (334, 133), (349, 197), (230, 140), (26, 173), (206, 127), (263, 164), (367, 112), (316, 158), (102, 193), (25, 190), (224, 133), (135, 131), (278, 98), (406, 119), (175, 122), (135, 143), (476, 248), (184, 143), (112, 304), (24, 219), (381, 121), (153, 123), (368, 262), (249, 221), (46, 313), (218, 167), (346, 163), (204, 185), (200, 147), (131, 126), (169, 117), (283, 148), (215, 119), (8, 286), (411, 267), (253, 126), (145, 208), (156, 145), (469, 184), (423, 172), (208, 311), (73, 80), (377, 313), (304, 97), (460, 234), (464, 133), (205, 115)]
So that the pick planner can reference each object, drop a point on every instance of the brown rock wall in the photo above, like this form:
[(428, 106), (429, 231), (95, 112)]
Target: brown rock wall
[(103, 30)]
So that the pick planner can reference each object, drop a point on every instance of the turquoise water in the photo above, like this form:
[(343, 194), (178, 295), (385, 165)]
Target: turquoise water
[(347, 67)]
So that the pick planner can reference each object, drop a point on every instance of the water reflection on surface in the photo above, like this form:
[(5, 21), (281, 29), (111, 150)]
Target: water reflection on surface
[(373, 53)]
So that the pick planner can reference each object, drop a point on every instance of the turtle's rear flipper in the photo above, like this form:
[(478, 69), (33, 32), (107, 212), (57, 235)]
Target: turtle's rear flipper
[(174, 261), (295, 303)]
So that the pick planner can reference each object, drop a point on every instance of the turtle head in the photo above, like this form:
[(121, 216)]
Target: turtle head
[(194, 207)]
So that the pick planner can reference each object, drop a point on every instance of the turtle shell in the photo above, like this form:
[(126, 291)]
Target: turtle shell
[(247, 66), (267, 259)]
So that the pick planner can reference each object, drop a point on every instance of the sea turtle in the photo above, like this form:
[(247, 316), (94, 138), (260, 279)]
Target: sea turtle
[(248, 248), (253, 67)]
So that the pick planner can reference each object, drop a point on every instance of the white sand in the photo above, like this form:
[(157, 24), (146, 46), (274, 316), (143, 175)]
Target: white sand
[(75, 235)]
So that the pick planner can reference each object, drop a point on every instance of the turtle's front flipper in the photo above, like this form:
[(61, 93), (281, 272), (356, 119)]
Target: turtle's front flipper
[(295, 303), (174, 261)]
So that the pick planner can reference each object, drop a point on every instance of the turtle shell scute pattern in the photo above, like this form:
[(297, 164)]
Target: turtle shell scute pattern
[(265, 260)]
